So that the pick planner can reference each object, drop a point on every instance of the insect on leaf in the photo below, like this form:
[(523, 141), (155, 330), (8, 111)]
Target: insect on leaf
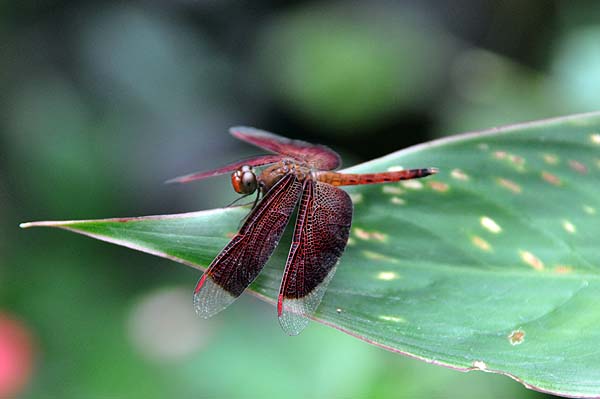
[(493, 264)]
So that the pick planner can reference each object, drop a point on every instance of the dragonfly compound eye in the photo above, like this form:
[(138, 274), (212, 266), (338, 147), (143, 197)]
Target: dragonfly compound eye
[(244, 181)]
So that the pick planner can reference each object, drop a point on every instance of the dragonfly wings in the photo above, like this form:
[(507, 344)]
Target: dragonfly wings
[(320, 237), (255, 161), (317, 156), (243, 258)]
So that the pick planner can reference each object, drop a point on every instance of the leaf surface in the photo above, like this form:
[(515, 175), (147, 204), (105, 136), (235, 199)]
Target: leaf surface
[(492, 264)]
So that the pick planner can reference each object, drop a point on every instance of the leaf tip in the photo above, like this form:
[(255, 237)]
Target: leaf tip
[(27, 225)]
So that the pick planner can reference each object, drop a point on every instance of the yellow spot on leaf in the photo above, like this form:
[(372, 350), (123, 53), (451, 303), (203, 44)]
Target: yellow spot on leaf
[(515, 160), (230, 235), (378, 236), (550, 159), (412, 184), (392, 189), (387, 276), (563, 269), (398, 201), (569, 227), (481, 243), (531, 260), (550, 178), (356, 198), (438, 186), (366, 235), (509, 185), (595, 138), (589, 210), (362, 234), (380, 257), (459, 175), (395, 319), (483, 147), (500, 154), (479, 364), (490, 224), (395, 168), (351, 241), (578, 167), (516, 337)]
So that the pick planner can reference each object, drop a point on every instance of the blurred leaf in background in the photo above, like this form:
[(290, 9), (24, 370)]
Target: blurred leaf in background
[(576, 65), (347, 67)]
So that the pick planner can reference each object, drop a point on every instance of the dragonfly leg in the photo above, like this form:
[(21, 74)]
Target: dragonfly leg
[(239, 199), (253, 206), (256, 199)]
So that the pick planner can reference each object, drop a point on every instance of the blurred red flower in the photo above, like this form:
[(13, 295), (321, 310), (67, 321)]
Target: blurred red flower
[(16, 356)]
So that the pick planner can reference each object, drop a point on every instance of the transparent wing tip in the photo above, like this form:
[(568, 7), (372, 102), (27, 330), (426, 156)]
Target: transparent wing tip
[(238, 131), (241, 129), (180, 179), (294, 312), (293, 316), (210, 298), (191, 177)]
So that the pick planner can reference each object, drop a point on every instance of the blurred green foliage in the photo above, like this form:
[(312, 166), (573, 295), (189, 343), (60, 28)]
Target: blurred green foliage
[(347, 68), (101, 102)]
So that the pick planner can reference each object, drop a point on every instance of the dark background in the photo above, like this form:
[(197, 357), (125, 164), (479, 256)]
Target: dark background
[(100, 102)]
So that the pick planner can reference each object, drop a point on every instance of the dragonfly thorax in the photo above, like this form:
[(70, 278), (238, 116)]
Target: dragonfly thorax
[(277, 171), (244, 180)]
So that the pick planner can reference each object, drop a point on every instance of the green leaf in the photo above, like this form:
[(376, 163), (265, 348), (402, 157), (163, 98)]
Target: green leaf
[(493, 264)]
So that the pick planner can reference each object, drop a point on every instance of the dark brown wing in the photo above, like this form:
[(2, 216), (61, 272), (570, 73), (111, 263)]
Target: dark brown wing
[(243, 258), (318, 156), (255, 161), (320, 237)]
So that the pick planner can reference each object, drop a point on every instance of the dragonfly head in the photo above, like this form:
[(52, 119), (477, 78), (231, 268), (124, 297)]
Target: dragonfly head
[(244, 180)]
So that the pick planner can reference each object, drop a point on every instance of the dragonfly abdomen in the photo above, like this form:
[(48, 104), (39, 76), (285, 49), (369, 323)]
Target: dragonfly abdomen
[(350, 179)]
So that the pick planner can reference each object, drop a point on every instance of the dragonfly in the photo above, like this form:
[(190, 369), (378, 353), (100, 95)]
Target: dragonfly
[(299, 175)]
